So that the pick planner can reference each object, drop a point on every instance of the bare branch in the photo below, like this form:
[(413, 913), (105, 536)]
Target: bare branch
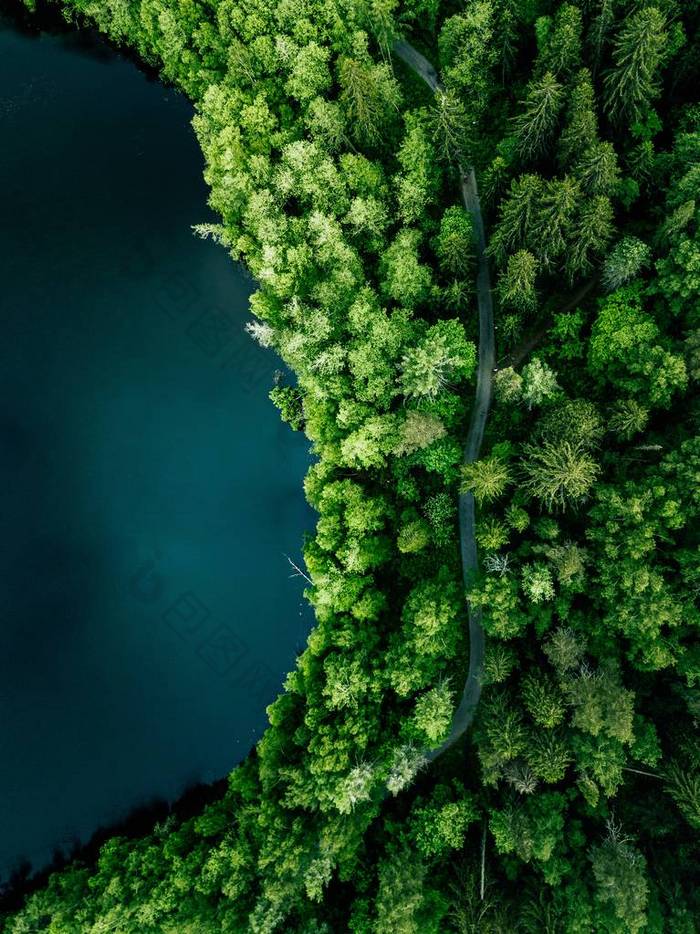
[(299, 572), (640, 772)]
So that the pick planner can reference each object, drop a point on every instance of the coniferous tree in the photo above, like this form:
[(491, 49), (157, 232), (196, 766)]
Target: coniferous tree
[(516, 285), (370, 94), (559, 475), (592, 233), (554, 224), (518, 214), (600, 28), (449, 122), (486, 479), (633, 83), (597, 169), (454, 244), (581, 128), (628, 258), (562, 53), (622, 888), (628, 419), (332, 167), (535, 126)]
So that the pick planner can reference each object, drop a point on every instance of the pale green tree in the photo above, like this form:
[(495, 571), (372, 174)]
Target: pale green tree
[(559, 474), (626, 260)]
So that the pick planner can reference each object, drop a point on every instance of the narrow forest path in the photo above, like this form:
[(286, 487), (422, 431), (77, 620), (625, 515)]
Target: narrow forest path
[(464, 715)]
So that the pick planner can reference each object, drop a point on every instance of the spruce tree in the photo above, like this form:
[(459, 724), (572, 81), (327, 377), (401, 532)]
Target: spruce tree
[(516, 286), (535, 126), (581, 129), (633, 83)]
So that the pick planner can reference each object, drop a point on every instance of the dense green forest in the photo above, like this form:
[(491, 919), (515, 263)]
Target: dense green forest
[(542, 185)]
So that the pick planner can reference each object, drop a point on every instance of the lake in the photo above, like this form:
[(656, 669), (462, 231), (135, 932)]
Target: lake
[(149, 492)]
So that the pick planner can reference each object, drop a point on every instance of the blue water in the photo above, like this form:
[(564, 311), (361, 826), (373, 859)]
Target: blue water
[(148, 491)]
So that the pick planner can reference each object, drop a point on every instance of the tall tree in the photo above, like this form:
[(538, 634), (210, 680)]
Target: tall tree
[(535, 125), (633, 81)]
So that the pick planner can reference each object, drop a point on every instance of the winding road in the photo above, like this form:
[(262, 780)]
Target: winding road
[(464, 715)]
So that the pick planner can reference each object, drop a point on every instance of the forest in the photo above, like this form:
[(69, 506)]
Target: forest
[(475, 233)]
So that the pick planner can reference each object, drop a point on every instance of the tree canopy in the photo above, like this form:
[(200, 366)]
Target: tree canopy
[(573, 803)]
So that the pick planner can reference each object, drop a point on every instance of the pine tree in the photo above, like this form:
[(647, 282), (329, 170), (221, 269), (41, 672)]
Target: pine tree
[(562, 54), (433, 713), (575, 420), (449, 123), (633, 82), (406, 763), (600, 29), (413, 537), (559, 475), (581, 130), (506, 34), (516, 286), (454, 244), (683, 785), (369, 94), (555, 220), (355, 788), (619, 872), (383, 24), (486, 479), (629, 418), (492, 534), (592, 233), (535, 126), (679, 221), (443, 356), (626, 261), (537, 583), (539, 383), (518, 213), (597, 169), (569, 562), (543, 699), (565, 650), (549, 756)]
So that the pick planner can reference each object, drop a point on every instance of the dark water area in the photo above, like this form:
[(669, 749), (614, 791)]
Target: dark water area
[(148, 490)]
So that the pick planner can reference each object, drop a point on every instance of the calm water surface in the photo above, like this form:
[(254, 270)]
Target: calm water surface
[(148, 491)]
